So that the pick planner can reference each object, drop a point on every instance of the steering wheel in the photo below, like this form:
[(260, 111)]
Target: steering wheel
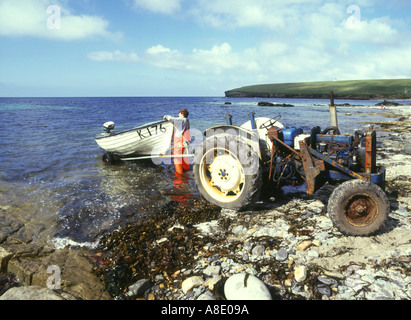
[(270, 122), (333, 130)]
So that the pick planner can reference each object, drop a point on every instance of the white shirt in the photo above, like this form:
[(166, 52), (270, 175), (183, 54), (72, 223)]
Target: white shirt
[(180, 125)]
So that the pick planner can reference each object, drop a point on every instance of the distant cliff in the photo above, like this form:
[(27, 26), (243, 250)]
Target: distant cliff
[(352, 89)]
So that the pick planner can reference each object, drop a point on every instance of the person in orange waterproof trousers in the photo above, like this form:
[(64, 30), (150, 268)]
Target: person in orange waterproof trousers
[(181, 139)]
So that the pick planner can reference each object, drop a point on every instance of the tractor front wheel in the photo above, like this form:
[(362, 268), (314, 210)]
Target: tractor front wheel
[(358, 207), (227, 172)]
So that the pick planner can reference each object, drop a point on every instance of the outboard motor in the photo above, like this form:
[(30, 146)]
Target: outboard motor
[(108, 126)]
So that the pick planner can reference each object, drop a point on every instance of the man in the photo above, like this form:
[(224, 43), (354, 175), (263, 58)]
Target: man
[(181, 139)]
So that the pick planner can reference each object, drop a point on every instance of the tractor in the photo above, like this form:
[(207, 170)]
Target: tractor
[(236, 164)]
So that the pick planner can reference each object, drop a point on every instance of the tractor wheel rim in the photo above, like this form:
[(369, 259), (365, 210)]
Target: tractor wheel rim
[(223, 179), (361, 210)]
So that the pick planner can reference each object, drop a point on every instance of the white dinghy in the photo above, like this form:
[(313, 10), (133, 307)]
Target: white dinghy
[(146, 141)]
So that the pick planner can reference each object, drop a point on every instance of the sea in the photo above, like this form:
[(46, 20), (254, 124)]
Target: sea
[(53, 179)]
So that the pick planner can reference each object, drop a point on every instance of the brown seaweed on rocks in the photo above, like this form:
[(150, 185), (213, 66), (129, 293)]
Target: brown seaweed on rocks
[(159, 246)]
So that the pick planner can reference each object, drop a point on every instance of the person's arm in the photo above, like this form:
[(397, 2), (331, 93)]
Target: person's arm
[(170, 118)]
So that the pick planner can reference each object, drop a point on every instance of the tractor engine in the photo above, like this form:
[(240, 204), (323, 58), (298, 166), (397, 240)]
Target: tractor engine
[(356, 152)]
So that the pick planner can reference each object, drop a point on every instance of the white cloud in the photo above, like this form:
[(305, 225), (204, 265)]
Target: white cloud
[(375, 31), (159, 6), (158, 49), (118, 56), (31, 18), (303, 40), (212, 61), (232, 14)]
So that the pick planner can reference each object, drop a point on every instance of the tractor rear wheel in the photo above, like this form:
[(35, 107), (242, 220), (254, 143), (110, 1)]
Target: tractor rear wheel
[(358, 207)]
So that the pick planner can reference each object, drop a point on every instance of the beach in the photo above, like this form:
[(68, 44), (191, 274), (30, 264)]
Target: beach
[(288, 243)]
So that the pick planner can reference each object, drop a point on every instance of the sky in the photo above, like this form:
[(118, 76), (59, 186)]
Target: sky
[(89, 48)]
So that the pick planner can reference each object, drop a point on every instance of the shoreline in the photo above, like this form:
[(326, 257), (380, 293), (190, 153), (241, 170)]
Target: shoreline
[(263, 242)]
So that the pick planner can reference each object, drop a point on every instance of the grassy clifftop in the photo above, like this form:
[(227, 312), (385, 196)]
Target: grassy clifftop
[(352, 89)]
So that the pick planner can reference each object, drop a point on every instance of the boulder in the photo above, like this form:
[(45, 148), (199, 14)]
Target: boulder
[(35, 293), (244, 286)]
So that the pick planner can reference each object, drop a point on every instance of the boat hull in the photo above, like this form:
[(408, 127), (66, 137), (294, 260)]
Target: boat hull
[(150, 139)]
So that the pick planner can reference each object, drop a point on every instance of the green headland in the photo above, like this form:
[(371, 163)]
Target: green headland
[(351, 89)]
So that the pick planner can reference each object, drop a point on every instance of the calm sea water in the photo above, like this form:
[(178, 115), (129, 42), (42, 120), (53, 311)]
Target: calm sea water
[(52, 176)]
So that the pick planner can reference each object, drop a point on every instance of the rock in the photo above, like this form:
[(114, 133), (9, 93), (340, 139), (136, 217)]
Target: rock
[(191, 283), (35, 293), (237, 230), (281, 255), (334, 274), (265, 104), (137, 289), (210, 283), (304, 245), (269, 104), (4, 259), (407, 149), (387, 104), (206, 296), (75, 269), (258, 250), (328, 281), (300, 273), (313, 254), (324, 290), (212, 271), (244, 286)]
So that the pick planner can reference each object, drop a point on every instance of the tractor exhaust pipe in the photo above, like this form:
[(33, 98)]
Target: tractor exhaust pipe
[(333, 111)]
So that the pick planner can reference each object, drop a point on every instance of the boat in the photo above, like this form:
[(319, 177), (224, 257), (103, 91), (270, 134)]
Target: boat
[(146, 141)]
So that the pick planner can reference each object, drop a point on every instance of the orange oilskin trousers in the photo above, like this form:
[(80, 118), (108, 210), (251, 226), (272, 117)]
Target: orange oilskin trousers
[(181, 164)]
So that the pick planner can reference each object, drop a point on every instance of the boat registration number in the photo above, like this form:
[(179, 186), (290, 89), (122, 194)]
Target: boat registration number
[(151, 131)]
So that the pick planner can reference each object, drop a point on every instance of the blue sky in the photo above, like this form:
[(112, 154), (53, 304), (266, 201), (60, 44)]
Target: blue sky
[(196, 47)]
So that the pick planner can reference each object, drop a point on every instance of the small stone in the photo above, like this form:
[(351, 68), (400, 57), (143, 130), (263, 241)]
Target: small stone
[(212, 271), (191, 283), (300, 273), (304, 245), (239, 229), (313, 254), (334, 274), (288, 282), (210, 283), (328, 281), (137, 289), (324, 290), (258, 250), (206, 296), (281, 255)]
